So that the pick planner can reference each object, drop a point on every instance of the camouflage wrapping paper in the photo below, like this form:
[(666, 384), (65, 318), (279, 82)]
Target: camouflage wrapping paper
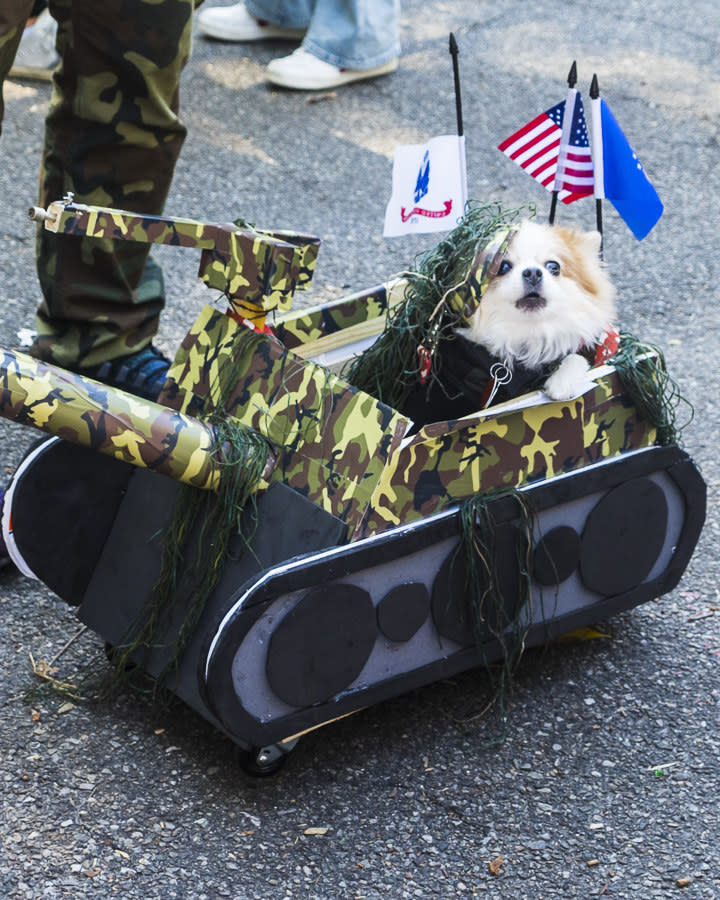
[(253, 271), (332, 441), (107, 420), (447, 462), (307, 247)]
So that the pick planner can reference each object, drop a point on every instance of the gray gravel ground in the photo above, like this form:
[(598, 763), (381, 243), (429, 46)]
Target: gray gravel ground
[(606, 782)]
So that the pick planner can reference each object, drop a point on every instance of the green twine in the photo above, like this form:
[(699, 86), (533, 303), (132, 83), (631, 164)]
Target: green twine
[(496, 610), (196, 542), (642, 370), (388, 369)]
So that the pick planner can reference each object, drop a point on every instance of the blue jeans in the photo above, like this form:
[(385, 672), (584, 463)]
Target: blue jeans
[(350, 34)]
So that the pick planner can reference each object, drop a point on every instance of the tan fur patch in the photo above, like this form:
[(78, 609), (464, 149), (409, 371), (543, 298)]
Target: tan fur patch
[(577, 263)]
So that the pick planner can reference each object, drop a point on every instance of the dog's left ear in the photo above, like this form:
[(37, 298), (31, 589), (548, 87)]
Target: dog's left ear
[(592, 240)]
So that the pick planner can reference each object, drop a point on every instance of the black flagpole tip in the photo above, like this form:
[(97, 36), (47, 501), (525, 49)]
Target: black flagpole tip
[(594, 88), (572, 75), (456, 78)]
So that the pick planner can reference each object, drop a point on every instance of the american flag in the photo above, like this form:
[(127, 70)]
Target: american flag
[(536, 148), (575, 168)]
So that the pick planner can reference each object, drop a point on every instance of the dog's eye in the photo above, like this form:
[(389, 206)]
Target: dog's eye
[(553, 267), (505, 267)]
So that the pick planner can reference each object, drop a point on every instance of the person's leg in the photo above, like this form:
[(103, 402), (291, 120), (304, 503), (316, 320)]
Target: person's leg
[(296, 14), (113, 137), (347, 40), (354, 34), (13, 16), (259, 21), (36, 56)]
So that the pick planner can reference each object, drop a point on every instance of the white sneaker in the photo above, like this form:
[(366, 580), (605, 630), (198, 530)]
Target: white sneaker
[(234, 23), (302, 71), (36, 56)]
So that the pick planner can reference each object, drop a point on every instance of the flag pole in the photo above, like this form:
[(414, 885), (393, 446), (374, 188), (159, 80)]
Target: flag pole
[(597, 150), (454, 51), (456, 76), (572, 81)]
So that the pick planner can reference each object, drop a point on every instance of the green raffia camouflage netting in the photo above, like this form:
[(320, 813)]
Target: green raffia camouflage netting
[(642, 370), (497, 600), (196, 541), (496, 608), (430, 310)]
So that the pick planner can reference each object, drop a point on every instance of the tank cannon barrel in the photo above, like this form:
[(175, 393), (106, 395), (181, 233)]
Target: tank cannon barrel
[(108, 420)]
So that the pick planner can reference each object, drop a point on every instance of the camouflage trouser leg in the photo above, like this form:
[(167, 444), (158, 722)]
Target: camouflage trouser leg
[(13, 14), (112, 138)]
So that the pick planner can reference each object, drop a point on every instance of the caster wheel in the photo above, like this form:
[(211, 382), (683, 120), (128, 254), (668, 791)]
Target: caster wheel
[(262, 762)]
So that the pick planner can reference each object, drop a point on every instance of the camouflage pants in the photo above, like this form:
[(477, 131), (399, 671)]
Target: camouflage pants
[(112, 137)]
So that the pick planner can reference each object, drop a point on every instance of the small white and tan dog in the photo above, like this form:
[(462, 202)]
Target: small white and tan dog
[(550, 298)]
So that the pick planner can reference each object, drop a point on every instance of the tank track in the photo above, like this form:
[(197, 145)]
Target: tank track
[(327, 633)]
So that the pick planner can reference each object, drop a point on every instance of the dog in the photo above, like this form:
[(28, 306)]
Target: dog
[(547, 306)]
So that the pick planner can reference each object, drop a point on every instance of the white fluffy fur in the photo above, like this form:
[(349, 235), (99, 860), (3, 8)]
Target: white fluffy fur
[(550, 320)]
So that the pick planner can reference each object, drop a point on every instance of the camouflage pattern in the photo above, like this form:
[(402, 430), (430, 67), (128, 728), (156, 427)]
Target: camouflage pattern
[(257, 270), (332, 441), (309, 331), (333, 444), (447, 462), (466, 299), (110, 421), (112, 138), (307, 247)]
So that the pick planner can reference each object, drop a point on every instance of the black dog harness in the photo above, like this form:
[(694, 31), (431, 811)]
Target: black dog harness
[(469, 378)]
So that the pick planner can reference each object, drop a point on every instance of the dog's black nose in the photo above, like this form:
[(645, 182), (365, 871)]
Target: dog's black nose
[(532, 276)]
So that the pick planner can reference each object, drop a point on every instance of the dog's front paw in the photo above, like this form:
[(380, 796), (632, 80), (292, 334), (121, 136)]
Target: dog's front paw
[(569, 379)]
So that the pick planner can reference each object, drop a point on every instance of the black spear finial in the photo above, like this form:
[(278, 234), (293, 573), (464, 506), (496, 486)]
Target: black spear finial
[(594, 88), (572, 75), (456, 76)]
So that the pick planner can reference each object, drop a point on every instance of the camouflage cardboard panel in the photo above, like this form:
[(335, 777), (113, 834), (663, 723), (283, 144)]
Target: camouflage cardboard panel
[(107, 420), (258, 268), (307, 246), (310, 325), (447, 462), (332, 441), (252, 270)]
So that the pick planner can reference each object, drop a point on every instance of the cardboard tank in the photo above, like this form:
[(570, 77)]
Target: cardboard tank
[(308, 553)]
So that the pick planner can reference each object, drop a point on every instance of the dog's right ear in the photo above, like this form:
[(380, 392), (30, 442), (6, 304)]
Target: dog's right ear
[(592, 241)]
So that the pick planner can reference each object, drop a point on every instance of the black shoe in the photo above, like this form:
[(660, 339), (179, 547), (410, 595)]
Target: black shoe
[(142, 373)]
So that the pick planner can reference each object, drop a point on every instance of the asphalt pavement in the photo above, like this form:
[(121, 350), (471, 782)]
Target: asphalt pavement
[(603, 779)]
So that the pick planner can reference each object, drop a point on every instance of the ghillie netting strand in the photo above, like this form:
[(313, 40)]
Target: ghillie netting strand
[(642, 370), (496, 558), (388, 369), (196, 542)]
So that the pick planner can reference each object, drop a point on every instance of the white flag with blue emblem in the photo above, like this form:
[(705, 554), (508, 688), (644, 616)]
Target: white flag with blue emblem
[(429, 187)]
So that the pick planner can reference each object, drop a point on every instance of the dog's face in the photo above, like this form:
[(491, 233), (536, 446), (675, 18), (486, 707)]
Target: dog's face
[(550, 295)]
